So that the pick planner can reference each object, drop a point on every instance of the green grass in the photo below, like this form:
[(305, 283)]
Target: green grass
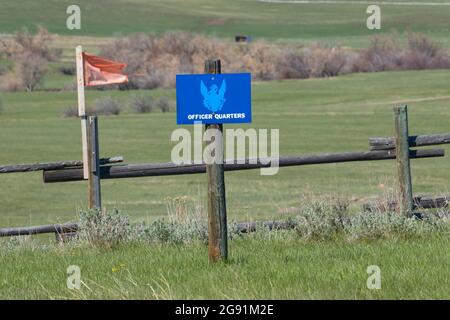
[(332, 23), (314, 116), (277, 267)]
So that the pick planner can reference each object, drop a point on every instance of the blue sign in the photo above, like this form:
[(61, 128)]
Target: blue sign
[(214, 98)]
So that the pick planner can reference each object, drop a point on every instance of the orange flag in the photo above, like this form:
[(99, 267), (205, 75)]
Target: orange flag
[(101, 71)]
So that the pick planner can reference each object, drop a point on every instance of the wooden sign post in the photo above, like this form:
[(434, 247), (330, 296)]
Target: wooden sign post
[(89, 139), (82, 110), (217, 211), (405, 193), (95, 200)]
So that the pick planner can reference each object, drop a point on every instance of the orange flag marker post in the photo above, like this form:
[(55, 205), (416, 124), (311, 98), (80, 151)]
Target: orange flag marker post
[(93, 71)]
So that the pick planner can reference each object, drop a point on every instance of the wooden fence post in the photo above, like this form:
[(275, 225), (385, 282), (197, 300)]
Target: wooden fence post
[(217, 211), (405, 193), (95, 201)]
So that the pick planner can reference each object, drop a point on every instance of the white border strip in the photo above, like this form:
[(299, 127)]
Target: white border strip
[(394, 3)]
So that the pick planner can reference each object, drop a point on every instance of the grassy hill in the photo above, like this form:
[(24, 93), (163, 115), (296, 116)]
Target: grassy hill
[(341, 23)]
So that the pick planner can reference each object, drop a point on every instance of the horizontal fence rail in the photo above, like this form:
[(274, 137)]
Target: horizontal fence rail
[(414, 141), (240, 227), (12, 168), (164, 169), (419, 203), (51, 228)]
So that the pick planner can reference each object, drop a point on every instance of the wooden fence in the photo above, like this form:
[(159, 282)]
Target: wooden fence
[(381, 148)]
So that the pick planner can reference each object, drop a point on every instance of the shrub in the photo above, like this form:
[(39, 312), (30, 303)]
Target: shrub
[(3, 70), (31, 69), (106, 106), (325, 219), (292, 65), (422, 53), (30, 55), (142, 104), (70, 87), (382, 55), (103, 228), (163, 104), (385, 54), (70, 112), (67, 70), (327, 62), (11, 83)]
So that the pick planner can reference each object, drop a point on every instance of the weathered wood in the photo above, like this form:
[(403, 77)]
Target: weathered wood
[(14, 168), (247, 227), (82, 109), (94, 174), (405, 194), (52, 228), (419, 203), (166, 169), (380, 143), (217, 211)]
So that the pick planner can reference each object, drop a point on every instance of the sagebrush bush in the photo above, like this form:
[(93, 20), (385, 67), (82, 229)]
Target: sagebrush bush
[(103, 228), (325, 220), (142, 104), (106, 106), (67, 70), (163, 104)]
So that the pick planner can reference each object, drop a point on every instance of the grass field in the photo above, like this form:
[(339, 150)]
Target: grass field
[(317, 115), (260, 267), (314, 116), (343, 24)]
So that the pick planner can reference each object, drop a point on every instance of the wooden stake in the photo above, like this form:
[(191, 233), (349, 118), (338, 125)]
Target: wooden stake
[(82, 110), (95, 201), (405, 193), (217, 211)]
